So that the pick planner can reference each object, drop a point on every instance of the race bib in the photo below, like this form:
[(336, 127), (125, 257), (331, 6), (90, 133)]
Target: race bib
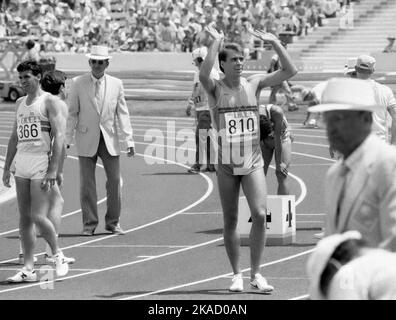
[(29, 130), (241, 126)]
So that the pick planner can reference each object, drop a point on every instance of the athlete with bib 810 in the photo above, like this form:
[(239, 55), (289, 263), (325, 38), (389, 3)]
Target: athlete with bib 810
[(233, 103)]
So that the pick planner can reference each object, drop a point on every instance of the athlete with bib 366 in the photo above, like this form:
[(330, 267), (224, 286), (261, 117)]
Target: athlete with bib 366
[(234, 110), (36, 143)]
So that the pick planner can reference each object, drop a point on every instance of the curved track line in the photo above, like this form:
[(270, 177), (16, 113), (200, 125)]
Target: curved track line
[(207, 193), (217, 277), (67, 214)]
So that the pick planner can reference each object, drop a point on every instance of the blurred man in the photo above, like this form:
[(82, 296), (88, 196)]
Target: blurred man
[(360, 187)]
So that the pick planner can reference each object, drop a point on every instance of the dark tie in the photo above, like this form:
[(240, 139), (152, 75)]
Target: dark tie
[(343, 175)]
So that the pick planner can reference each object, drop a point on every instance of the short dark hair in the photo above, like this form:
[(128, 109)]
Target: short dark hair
[(52, 81), (224, 52), (30, 65)]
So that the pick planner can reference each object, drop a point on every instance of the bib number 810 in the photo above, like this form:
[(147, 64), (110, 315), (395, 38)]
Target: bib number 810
[(240, 125)]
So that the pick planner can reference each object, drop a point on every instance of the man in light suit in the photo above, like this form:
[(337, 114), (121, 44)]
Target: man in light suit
[(361, 186), (95, 101)]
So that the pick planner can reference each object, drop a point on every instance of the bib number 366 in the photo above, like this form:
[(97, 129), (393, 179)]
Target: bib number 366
[(29, 131)]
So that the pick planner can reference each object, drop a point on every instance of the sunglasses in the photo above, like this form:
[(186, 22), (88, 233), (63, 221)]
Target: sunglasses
[(99, 62)]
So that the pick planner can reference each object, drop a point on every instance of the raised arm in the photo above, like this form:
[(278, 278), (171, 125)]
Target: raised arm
[(288, 69), (207, 65)]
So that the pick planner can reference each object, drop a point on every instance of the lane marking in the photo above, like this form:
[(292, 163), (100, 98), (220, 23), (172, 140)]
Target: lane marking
[(215, 277), (67, 214), (303, 297), (114, 266), (206, 195), (133, 246)]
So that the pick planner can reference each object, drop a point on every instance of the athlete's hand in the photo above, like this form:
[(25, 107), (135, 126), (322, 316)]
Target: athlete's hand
[(264, 36), (282, 168), (212, 31), (6, 178), (59, 179), (48, 181)]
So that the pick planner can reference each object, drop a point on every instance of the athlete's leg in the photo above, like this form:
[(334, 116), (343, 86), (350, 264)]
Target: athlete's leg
[(255, 188), (56, 207), (40, 205), (26, 225), (283, 181), (267, 151), (229, 186)]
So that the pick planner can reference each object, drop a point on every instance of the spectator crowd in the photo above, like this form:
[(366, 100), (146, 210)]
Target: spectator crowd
[(156, 25)]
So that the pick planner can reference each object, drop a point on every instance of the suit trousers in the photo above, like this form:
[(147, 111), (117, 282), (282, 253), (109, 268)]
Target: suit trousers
[(88, 195)]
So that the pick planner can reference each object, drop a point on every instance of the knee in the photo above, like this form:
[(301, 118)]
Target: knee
[(259, 216), (230, 223)]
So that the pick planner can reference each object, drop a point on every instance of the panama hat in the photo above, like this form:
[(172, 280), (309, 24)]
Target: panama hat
[(346, 94), (319, 259), (99, 53), (365, 63)]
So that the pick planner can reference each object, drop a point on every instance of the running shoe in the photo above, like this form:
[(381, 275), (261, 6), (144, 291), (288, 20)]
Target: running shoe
[(260, 283), (49, 259), (21, 259), (237, 283), (23, 275), (61, 266), (196, 168)]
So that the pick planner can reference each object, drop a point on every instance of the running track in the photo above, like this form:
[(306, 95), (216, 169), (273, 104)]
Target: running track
[(173, 248)]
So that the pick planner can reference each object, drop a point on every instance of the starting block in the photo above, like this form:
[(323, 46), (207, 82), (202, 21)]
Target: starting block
[(281, 220)]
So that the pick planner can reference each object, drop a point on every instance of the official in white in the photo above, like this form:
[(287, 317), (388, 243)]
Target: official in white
[(361, 186), (96, 105)]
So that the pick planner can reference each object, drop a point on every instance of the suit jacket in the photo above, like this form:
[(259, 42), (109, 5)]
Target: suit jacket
[(86, 119), (369, 203)]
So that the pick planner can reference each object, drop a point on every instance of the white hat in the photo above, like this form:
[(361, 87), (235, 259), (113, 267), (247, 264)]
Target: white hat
[(318, 260), (366, 63), (99, 53), (200, 53), (346, 94)]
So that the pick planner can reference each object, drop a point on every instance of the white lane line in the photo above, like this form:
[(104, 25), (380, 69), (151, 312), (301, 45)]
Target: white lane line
[(44, 268), (299, 181), (66, 214), (312, 156), (133, 246), (312, 144), (203, 213), (215, 277), (144, 257), (203, 198), (127, 264), (309, 164), (303, 297)]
